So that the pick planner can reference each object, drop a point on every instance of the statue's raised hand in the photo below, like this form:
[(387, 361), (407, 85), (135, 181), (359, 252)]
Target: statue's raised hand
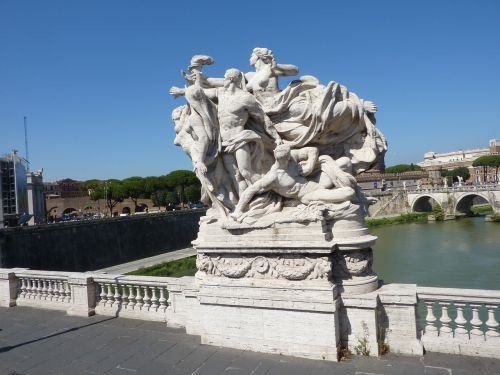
[(176, 91), (370, 106)]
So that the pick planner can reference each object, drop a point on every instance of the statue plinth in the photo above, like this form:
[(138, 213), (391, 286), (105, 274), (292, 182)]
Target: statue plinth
[(278, 289)]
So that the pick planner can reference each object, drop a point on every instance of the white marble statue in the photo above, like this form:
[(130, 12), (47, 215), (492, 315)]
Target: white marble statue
[(257, 149), (460, 181)]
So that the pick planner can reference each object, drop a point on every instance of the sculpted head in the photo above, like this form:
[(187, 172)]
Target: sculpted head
[(282, 152), (263, 54), (233, 76)]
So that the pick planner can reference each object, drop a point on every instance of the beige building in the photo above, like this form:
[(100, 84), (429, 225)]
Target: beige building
[(436, 161)]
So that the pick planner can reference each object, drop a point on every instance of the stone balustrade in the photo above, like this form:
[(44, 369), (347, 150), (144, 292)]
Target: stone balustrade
[(132, 296), (461, 321), (457, 321), (137, 297), (463, 188), (43, 288)]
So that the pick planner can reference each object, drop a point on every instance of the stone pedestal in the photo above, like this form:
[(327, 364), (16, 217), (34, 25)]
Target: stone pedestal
[(83, 295), (8, 288), (277, 289)]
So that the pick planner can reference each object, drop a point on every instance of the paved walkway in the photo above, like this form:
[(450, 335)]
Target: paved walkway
[(47, 342), (120, 269)]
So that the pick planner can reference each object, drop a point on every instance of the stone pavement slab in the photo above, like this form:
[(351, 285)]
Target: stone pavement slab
[(47, 342), (121, 269)]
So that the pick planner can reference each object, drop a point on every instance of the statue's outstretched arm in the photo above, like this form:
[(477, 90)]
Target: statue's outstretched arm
[(286, 70)]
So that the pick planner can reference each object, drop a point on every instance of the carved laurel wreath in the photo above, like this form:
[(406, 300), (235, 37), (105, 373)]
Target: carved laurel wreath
[(284, 267)]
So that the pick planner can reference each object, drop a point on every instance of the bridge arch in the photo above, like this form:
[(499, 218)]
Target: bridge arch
[(424, 203), (466, 201), (69, 211)]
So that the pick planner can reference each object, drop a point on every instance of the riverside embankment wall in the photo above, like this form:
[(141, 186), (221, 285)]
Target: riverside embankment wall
[(390, 203), (90, 245)]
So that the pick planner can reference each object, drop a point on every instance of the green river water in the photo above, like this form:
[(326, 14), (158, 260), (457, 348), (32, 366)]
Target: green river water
[(461, 253)]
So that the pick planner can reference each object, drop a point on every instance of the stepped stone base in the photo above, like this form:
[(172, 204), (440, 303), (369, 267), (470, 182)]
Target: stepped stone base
[(277, 289)]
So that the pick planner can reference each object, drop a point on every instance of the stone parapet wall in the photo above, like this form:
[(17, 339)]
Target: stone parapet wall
[(90, 245), (288, 318)]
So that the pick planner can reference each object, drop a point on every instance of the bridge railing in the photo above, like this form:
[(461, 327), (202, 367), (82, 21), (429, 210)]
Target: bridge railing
[(464, 188), (137, 297), (460, 321)]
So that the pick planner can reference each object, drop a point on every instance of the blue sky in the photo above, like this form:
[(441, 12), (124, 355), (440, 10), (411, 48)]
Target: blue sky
[(93, 76)]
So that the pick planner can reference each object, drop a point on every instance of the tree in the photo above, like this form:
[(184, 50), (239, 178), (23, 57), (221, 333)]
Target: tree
[(192, 193), (178, 180), (90, 185), (111, 191), (401, 168), (486, 161), (151, 185), (164, 198), (454, 173), (134, 188)]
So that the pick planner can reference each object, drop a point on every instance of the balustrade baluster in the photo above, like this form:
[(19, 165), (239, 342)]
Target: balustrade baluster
[(62, 295), (102, 295), (162, 300), (50, 290), (57, 293), (445, 320), (146, 299), (124, 297), (131, 297), (29, 289), (430, 319), (476, 323), (138, 298), (154, 299), (109, 295), (44, 289), (460, 330), (117, 296), (67, 292), (39, 289), (491, 323), (23, 287)]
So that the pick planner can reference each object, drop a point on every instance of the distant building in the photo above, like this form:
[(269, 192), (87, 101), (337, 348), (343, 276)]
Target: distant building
[(66, 188), (437, 161), (36, 198), (22, 200), (371, 181)]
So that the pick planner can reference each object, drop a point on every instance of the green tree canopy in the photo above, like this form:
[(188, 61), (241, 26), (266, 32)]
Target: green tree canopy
[(487, 161), (90, 184), (112, 191), (164, 198), (400, 168), (460, 171), (134, 187)]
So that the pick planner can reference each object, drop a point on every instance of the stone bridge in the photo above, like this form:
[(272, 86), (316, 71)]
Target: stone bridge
[(454, 200)]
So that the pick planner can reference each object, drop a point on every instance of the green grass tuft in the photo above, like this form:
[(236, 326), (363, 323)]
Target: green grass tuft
[(176, 268), (420, 217)]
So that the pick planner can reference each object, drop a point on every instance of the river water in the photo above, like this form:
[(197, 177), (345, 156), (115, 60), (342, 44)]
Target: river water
[(462, 253)]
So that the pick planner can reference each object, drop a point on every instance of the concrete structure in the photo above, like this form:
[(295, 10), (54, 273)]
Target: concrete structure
[(36, 198), (93, 244), (22, 199)]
